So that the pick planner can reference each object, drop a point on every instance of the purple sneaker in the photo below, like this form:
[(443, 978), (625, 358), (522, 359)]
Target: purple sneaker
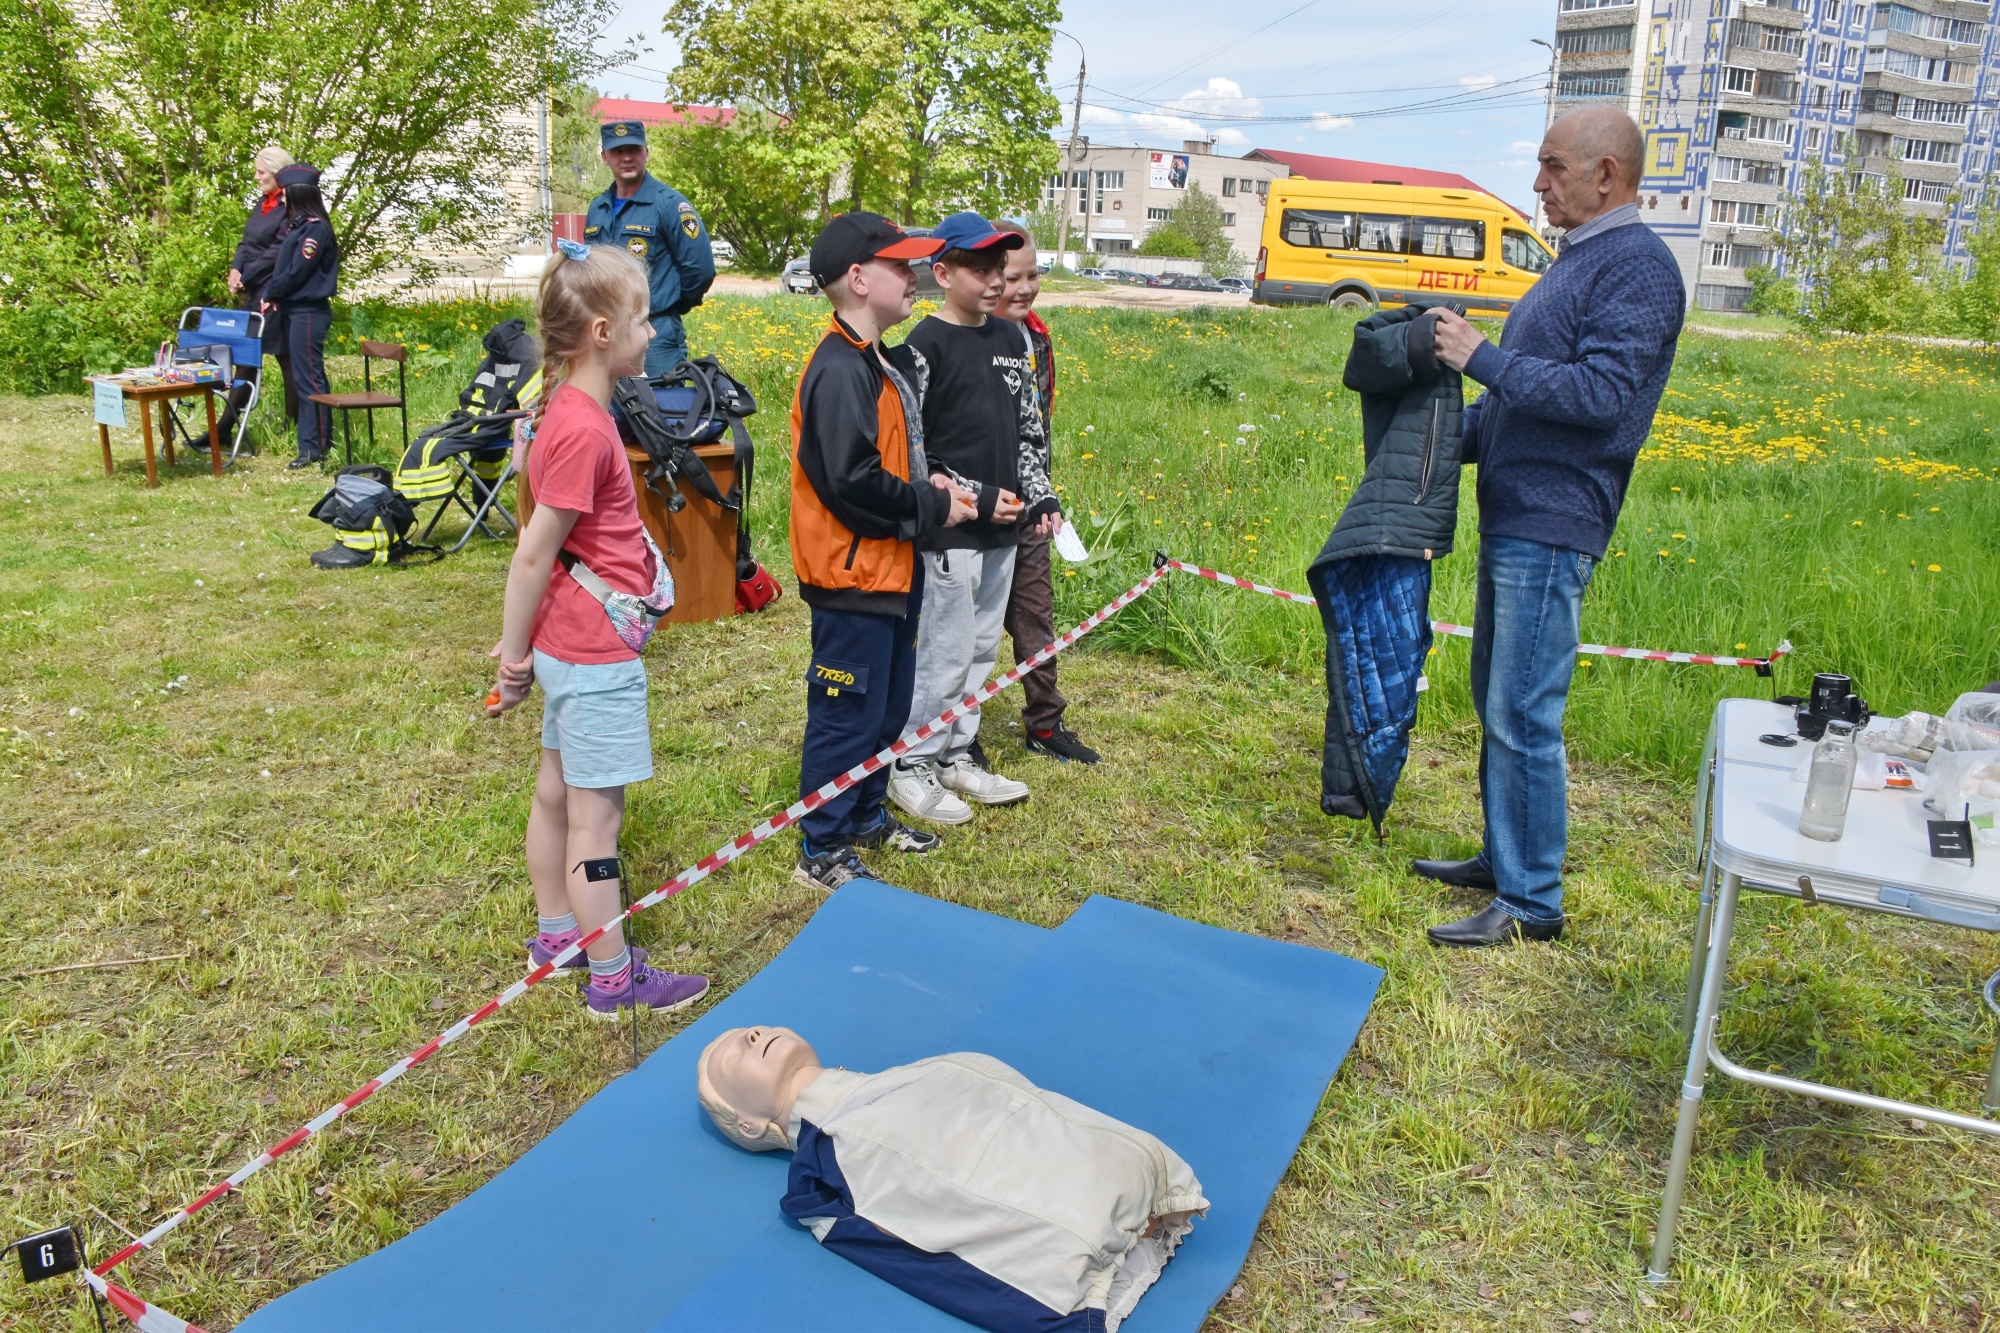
[(662, 992), (578, 966)]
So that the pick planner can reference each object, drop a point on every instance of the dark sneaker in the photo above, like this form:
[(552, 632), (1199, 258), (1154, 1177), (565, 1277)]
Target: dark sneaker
[(897, 836), (304, 461), (977, 754), (830, 869), (662, 992), (1059, 742), (578, 966)]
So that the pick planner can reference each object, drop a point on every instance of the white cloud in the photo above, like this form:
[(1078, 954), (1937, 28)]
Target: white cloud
[(1179, 118), (1478, 82), (1528, 146), (1327, 124)]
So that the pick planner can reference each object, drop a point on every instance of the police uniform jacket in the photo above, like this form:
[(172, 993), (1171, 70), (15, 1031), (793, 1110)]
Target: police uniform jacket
[(308, 266), (661, 227)]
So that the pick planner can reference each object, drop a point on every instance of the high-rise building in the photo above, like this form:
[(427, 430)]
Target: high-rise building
[(1736, 96)]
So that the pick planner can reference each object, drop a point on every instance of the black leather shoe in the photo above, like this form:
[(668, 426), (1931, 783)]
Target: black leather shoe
[(1489, 926), (1458, 874)]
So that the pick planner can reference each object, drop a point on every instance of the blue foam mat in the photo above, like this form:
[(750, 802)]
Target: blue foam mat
[(879, 975), (1220, 1044)]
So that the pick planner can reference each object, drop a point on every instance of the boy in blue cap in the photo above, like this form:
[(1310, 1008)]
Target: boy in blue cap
[(982, 429), (658, 225)]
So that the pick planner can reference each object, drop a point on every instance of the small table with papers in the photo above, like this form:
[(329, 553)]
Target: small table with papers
[(113, 392), (1747, 821)]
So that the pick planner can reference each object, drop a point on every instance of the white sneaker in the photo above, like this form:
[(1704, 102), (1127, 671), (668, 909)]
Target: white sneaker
[(914, 786), (976, 784)]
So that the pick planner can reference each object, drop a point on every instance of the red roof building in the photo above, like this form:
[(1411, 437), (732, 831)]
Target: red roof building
[(661, 113), (1353, 171)]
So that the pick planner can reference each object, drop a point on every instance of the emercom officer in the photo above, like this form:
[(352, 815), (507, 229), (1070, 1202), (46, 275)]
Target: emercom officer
[(659, 226)]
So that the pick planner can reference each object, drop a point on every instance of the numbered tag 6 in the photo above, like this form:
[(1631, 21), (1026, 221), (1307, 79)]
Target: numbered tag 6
[(51, 1254)]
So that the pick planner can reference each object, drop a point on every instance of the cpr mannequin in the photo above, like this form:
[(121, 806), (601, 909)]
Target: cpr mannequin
[(956, 1179)]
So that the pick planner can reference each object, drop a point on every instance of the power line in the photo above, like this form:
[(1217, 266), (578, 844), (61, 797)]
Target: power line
[(1212, 54), (1497, 93), (1373, 46)]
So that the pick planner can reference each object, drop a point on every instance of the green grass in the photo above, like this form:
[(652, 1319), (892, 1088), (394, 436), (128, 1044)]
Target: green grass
[(1489, 1159)]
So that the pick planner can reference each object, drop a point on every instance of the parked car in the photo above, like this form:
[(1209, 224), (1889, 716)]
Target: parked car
[(1098, 274), (797, 277), (1132, 279), (1235, 286), (927, 283), (724, 252), (1191, 282)]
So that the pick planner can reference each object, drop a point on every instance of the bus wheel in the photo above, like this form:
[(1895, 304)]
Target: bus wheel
[(1350, 300)]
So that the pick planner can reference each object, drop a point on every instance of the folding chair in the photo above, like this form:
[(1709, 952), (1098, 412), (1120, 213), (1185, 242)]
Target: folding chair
[(467, 459), (369, 399), (205, 329)]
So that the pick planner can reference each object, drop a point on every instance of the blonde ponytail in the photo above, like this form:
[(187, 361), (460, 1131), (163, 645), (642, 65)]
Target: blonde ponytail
[(604, 282)]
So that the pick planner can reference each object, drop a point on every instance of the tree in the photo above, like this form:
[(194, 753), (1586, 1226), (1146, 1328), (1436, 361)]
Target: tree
[(577, 173), (1863, 264), (1975, 297), (759, 182), (906, 107), (1193, 230), (126, 134)]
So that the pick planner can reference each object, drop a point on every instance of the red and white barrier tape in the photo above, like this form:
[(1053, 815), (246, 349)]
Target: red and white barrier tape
[(693, 875), (1465, 631), (152, 1319), (143, 1314)]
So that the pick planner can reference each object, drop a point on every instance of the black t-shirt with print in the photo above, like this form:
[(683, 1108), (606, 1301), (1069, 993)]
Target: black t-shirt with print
[(978, 401)]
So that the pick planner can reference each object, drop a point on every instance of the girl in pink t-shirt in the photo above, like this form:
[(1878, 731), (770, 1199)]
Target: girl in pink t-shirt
[(585, 588)]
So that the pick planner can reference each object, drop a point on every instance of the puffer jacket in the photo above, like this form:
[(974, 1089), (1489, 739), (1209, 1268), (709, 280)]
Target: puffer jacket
[(1373, 576)]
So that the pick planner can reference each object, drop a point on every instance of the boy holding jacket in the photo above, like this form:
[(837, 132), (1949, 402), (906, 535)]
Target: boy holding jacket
[(862, 492), (982, 430)]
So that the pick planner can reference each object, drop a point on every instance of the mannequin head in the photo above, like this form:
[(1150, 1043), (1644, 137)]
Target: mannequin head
[(748, 1079)]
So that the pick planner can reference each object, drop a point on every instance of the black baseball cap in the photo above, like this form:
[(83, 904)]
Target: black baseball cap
[(856, 238)]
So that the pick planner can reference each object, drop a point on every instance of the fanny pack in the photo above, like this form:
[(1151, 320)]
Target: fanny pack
[(633, 617)]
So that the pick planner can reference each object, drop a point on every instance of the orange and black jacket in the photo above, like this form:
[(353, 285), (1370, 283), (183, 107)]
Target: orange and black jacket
[(856, 433)]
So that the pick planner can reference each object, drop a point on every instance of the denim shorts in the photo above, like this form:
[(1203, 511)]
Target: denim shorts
[(594, 714)]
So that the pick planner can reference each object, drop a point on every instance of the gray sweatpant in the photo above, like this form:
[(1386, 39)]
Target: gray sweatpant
[(958, 640)]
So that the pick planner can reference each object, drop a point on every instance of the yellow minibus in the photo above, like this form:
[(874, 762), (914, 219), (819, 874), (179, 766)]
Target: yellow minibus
[(1351, 245)]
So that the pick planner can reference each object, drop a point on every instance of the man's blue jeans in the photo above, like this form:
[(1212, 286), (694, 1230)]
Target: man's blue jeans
[(1524, 638), (669, 346)]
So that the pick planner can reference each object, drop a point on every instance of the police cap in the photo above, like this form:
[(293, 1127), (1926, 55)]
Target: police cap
[(622, 134), (299, 173)]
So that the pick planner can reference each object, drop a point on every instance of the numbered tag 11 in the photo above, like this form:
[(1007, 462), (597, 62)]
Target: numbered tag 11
[(50, 1254)]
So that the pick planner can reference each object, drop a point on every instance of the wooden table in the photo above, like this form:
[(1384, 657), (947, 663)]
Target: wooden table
[(699, 542), (146, 396)]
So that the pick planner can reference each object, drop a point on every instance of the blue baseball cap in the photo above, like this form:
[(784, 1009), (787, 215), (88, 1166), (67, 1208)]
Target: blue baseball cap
[(969, 231), (622, 134)]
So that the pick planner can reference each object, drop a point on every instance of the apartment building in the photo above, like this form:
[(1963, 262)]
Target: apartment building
[(1736, 96), (1117, 195)]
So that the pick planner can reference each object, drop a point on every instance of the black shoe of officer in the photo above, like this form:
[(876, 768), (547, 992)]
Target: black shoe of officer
[(1472, 874), (304, 461), (1489, 926)]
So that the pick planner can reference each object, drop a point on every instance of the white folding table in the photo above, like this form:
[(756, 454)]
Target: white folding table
[(1747, 821)]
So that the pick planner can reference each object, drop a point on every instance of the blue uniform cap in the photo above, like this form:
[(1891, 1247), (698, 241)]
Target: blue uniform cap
[(299, 173), (622, 134)]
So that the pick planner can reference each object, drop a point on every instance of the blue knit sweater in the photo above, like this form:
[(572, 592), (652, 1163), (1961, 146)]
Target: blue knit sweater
[(1572, 388)]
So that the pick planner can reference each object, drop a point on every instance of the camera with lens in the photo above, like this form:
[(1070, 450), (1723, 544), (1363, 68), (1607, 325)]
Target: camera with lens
[(1832, 700)]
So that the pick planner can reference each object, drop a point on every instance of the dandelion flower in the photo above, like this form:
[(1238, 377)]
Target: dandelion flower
[(1935, 569), (1857, 522)]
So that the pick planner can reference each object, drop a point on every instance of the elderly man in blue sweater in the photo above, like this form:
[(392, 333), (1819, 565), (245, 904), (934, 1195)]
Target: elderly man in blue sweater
[(1570, 396)]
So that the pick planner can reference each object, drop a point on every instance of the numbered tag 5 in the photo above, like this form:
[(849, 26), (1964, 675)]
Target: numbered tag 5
[(50, 1254)]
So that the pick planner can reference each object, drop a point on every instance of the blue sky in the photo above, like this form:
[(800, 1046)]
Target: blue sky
[(1322, 76)]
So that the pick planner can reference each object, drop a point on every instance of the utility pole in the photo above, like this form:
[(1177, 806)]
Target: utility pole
[(545, 199), (1069, 161), (1548, 119)]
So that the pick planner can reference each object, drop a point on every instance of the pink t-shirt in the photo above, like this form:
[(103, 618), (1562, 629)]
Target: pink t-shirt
[(577, 462)]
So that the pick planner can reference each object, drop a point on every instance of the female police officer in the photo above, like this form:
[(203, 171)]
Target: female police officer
[(301, 289), (658, 225)]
